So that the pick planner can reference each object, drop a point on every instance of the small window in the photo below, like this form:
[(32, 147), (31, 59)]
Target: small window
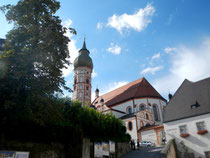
[(87, 72), (87, 88), (142, 107), (81, 79), (147, 116), (200, 126), (129, 110), (130, 126), (155, 111), (207, 154), (75, 80), (183, 129), (87, 81), (86, 94)]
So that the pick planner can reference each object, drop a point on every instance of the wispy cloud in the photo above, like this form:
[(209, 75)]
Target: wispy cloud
[(170, 19), (137, 21), (169, 50), (99, 25), (113, 85), (73, 50), (186, 62), (151, 70), (94, 74), (114, 49), (156, 56)]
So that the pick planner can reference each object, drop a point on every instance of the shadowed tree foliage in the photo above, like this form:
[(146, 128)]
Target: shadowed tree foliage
[(35, 50)]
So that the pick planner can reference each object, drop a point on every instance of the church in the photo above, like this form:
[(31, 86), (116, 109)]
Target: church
[(137, 104)]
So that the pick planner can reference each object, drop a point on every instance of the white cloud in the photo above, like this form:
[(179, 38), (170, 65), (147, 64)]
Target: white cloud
[(156, 56), (114, 49), (151, 70), (190, 63), (169, 50), (99, 25), (73, 50), (94, 74), (113, 85), (108, 87), (137, 21)]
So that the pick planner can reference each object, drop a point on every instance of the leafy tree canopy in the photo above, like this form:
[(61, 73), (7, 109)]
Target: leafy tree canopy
[(35, 50)]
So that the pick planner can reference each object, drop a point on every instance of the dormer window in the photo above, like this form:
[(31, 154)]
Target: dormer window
[(196, 105)]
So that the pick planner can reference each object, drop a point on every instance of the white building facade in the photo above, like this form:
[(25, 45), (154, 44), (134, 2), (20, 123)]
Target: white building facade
[(187, 117), (138, 104), (193, 131)]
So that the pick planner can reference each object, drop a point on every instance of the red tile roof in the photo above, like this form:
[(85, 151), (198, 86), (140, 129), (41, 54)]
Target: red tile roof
[(136, 89)]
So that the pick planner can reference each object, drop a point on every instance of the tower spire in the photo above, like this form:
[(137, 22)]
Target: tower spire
[(84, 44)]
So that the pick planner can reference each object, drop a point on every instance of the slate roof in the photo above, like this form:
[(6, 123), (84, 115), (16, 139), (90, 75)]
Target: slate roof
[(136, 89), (1, 43), (191, 99)]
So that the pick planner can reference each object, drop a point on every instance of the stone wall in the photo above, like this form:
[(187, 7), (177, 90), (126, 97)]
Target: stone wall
[(170, 150), (37, 150), (122, 149)]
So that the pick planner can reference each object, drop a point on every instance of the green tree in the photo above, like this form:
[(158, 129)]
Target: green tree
[(35, 51)]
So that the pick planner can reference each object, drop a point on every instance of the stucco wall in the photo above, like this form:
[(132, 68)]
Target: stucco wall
[(195, 143), (123, 106), (149, 136), (133, 132)]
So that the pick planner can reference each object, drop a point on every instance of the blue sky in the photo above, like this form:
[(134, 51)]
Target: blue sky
[(164, 41)]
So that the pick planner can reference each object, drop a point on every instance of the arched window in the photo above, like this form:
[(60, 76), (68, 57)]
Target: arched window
[(75, 80), (129, 110), (155, 110), (147, 116), (142, 107), (87, 81), (130, 125)]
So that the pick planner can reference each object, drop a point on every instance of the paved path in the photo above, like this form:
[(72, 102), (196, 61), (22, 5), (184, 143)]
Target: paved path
[(150, 152)]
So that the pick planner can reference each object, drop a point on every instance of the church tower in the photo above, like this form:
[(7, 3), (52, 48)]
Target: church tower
[(83, 67)]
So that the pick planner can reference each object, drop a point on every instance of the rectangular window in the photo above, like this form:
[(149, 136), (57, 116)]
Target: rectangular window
[(81, 79), (183, 129), (207, 154), (200, 126)]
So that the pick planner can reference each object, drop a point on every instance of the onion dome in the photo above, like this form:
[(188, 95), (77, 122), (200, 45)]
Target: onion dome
[(97, 90), (83, 59)]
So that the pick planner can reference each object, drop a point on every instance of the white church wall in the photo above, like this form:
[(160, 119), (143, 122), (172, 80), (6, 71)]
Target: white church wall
[(140, 101), (123, 106), (160, 104), (133, 132), (195, 142), (149, 135)]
